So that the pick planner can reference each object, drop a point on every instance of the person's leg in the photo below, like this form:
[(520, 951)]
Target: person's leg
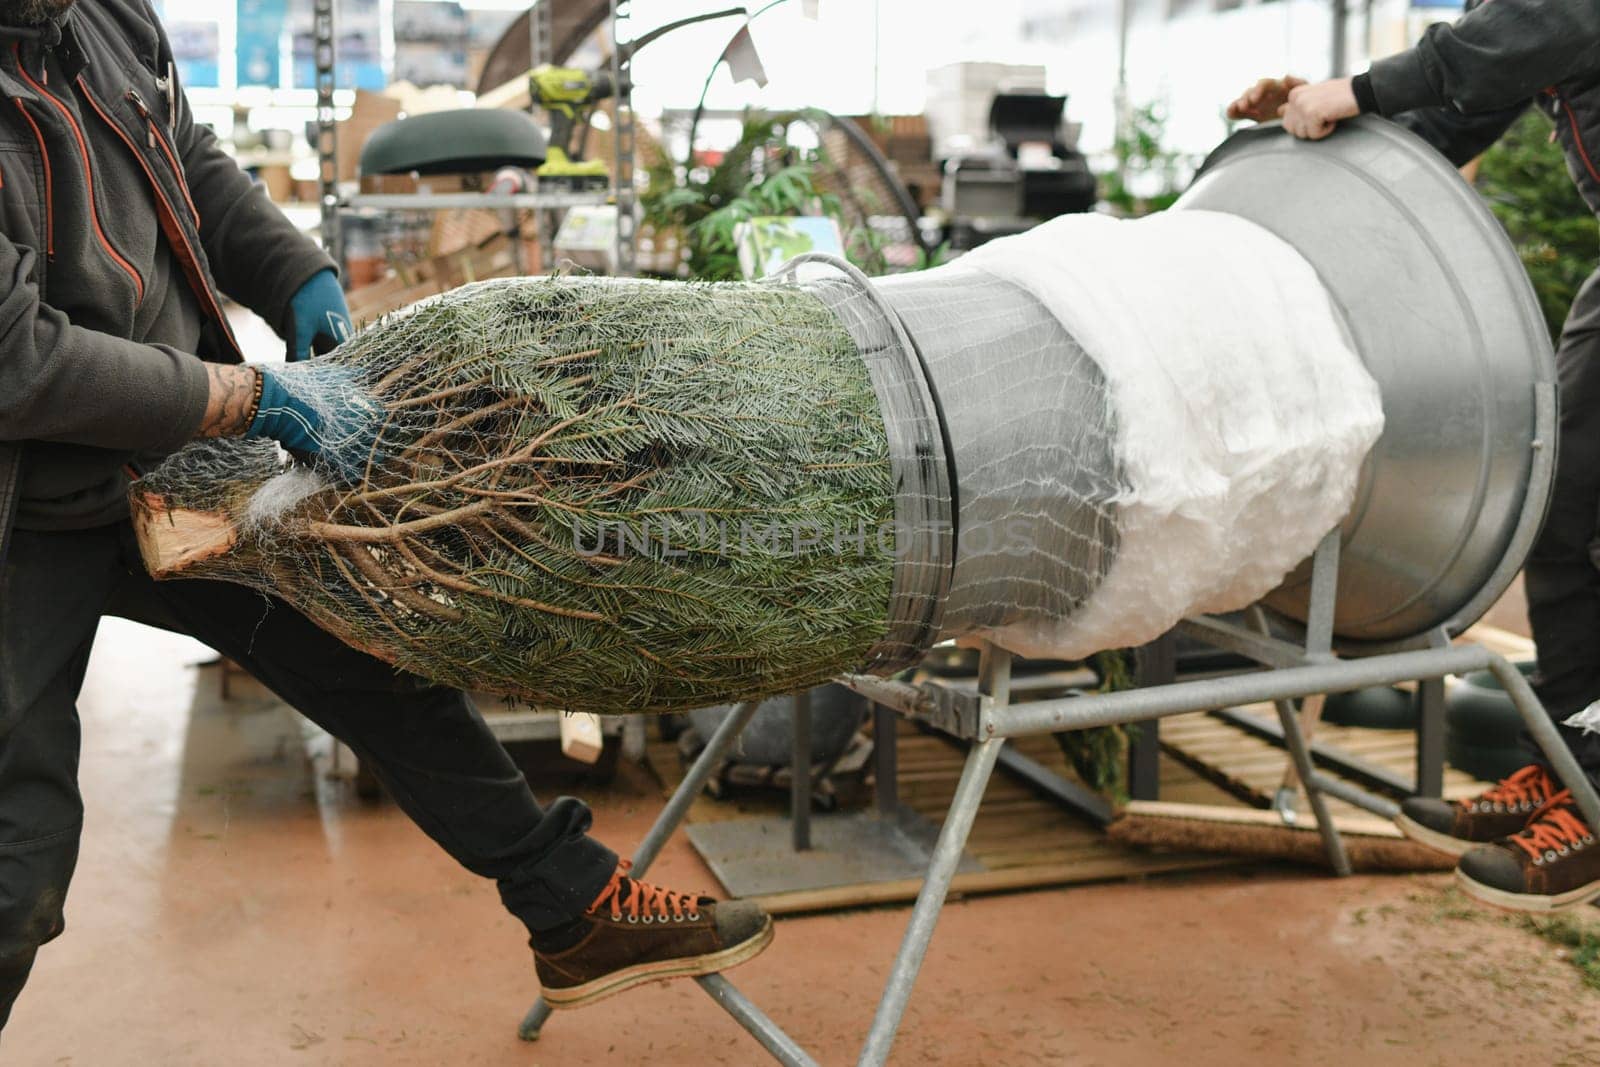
[(594, 930), (428, 745), (1562, 575), (1562, 579), (51, 592), (1554, 861)]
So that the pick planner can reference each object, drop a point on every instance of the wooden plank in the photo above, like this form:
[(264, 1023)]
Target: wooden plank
[(1251, 767), (1117, 865), (1359, 823)]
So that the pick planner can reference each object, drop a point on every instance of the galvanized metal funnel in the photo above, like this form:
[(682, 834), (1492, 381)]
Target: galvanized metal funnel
[(1444, 317)]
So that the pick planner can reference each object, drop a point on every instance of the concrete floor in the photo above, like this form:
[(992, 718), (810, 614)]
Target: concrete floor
[(233, 906)]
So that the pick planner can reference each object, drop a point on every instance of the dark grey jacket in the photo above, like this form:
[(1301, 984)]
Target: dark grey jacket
[(121, 221), (1464, 84)]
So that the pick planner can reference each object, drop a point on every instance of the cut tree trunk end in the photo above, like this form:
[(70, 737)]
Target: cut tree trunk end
[(173, 540)]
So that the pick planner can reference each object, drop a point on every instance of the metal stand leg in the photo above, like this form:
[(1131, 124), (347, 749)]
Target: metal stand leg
[(800, 774), (1318, 646), (784, 1048), (1298, 750), (914, 947), (1549, 739), (886, 769), (1430, 737), (665, 824), (1154, 664)]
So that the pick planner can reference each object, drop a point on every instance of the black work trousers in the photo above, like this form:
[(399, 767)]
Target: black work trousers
[(428, 745), (1562, 574)]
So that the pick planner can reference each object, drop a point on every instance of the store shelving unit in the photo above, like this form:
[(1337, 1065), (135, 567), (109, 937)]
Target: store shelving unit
[(549, 204)]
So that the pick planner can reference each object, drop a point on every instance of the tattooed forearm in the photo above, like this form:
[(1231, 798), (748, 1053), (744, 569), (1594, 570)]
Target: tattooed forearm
[(231, 404)]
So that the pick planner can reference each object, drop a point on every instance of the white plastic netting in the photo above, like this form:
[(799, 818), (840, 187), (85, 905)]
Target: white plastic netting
[(1240, 415), (619, 496), (1032, 451)]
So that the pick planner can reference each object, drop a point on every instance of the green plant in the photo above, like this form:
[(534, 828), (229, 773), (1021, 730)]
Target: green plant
[(786, 192), (762, 174), (928, 258), (765, 174), (1099, 754), (1581, 939), (1148, 175), (1524, 179)]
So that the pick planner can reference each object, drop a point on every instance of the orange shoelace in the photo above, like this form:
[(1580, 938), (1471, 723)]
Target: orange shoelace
[(1555, 831), (642, 902), (1525, 790)]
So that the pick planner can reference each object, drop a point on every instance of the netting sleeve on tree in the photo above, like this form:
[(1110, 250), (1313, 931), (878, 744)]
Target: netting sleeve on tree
[(1192, 425), (613, 496), (592, 494)]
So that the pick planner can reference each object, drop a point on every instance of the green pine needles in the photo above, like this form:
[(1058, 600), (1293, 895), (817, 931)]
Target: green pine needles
[(591, 494), (1524, 179)]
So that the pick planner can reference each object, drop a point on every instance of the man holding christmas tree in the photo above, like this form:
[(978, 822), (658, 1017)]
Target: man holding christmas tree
[(122, 223)]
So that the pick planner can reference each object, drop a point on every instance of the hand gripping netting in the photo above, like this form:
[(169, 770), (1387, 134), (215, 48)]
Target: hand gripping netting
[(586, 493)]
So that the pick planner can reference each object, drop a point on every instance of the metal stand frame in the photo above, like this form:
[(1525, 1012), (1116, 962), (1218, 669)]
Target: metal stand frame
[(324, 35), (986, 719)]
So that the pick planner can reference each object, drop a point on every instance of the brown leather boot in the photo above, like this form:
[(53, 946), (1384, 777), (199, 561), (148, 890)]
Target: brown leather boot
[(635, 933), (1459, 827), (1553, 863)]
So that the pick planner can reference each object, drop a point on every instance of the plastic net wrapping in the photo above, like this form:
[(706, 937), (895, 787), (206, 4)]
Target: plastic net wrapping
[(1238, 413), (923, 532), (586, 493), (1032, 451), (615, 496)]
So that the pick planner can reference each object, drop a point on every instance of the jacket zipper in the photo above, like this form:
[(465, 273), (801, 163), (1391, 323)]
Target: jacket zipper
[(176, 237), (49, 187), (158, 139), (88, 176), (1577, 138)]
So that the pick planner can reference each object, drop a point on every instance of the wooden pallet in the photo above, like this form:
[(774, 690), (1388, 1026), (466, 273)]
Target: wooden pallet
[(1250, 768), (1023, 840)]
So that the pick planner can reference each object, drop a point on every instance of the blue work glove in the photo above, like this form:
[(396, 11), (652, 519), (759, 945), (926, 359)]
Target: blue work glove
[(322, 412), (319, 318)]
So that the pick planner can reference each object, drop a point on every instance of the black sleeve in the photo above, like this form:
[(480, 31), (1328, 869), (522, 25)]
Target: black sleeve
[(60, 382), (1460, 138), (1366, 99), (1496, 56)]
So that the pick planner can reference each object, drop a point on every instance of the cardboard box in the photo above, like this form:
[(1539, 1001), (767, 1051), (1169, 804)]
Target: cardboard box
[(495, 258), (389, 184), (280, 186), (370, 111)]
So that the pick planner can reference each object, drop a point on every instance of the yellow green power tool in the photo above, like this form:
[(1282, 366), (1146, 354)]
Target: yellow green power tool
[(568, 93)]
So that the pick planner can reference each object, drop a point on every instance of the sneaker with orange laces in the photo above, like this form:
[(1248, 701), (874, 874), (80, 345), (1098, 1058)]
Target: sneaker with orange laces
[(635, 933), (1460, 826), (1553, 863)]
